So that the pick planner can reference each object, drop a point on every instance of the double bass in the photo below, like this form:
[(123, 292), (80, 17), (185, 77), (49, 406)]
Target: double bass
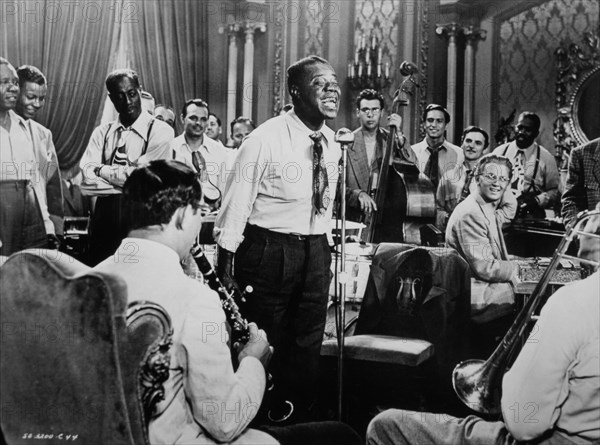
[(405, 197)]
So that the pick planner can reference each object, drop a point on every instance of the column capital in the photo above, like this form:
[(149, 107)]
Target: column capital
[(231, 29), (251, 27), (450, 30), (473, 35)]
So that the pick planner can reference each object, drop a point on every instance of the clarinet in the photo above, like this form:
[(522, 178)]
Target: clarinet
[(240, 332)]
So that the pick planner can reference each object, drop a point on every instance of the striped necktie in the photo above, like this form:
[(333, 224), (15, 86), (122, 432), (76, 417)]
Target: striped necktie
[(120, 156), (518, 182), (321, 198)]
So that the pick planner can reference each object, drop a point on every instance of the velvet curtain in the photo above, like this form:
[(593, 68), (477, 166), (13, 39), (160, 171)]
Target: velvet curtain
[(169, 43), (71, 42)]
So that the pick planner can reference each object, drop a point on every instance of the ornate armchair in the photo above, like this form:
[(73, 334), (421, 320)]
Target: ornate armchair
[(71, 366)]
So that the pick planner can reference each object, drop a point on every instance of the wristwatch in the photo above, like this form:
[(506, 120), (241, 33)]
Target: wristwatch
[(97, 170)]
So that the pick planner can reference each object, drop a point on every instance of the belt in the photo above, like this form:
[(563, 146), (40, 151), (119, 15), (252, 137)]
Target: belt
[(252, 229)]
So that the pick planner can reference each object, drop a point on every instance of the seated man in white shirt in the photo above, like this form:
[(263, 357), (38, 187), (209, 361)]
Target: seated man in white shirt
[(30, 171), (210, 160), (550, 395), (206, 400)]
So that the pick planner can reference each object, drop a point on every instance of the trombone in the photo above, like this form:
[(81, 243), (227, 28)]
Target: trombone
[(478, 383)]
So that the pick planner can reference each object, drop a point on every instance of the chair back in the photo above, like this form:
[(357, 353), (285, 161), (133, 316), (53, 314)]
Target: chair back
[(66, 368)]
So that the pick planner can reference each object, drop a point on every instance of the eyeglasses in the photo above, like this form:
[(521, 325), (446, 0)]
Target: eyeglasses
[(491, 178), (370, 110)]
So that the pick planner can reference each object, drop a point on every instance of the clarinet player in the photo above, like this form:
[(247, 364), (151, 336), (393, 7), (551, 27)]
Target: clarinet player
[(206, 400)]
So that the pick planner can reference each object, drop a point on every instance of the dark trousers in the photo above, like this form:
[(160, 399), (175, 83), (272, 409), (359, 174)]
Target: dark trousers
[(290, 276), (107, 228), (314, 433), (21, 221)]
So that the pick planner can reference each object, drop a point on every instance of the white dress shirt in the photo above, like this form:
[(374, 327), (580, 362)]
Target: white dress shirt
[(217, 158), (135, 136), (271, 184), (18, 160), (450, 156)]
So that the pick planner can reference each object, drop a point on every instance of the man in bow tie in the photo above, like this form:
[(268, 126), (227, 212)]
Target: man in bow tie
[(274, 220)]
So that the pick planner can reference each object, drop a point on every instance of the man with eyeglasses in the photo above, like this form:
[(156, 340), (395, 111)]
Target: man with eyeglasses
[(475, 232), (275, 219), (365, 155), (459, 183), (535, 175), (435, 154)]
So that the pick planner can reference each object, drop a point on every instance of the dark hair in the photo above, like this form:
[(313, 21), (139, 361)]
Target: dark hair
[(492, 158), (28, 73), (370, 94), (216, 117), (115, 76), (296, 70), (433, 107), (532, 116), (242, 120), (153, 192), (475, 129), (198, 102), (166, 107)]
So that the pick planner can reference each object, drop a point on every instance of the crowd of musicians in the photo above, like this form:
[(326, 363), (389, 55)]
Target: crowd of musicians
[(273, 196)]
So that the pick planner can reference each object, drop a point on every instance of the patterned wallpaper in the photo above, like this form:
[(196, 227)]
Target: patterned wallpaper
[(380, 19), (313, 16), (527, 41)]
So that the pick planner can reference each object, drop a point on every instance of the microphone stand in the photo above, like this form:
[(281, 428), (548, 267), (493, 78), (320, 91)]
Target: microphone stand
[(345, 138)]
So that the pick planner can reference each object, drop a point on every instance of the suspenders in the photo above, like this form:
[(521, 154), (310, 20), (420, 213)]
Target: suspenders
[(535, 168), (112, 155)]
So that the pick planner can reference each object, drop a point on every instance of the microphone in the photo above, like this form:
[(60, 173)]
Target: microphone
[(407, 68), (344, 136)]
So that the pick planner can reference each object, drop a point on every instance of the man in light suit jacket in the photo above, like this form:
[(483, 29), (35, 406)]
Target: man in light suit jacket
[(365, 155), (582, 190), (474, 231), (32, 97)]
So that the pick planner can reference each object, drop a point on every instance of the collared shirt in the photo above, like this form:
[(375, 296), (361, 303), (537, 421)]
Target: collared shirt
[(271, 184), (205, 401), (450, 156), (217, 158), (546, 179), (18, 159), (555, 381), (104, 139), (450, 189)]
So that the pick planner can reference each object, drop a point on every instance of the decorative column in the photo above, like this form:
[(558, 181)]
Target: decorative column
[(232, 31), (248, 92), (451, 31), (472, 35)]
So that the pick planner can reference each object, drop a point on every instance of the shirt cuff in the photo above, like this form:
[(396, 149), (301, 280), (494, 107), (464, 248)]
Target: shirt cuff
[(226, 239)]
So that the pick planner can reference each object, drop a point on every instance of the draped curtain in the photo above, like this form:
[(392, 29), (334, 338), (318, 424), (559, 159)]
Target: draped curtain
[(71, 43), (74, 43), (170, 49)]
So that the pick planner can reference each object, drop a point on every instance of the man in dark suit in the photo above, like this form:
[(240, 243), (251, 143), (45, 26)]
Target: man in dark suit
[(365, 155), (582, 190)]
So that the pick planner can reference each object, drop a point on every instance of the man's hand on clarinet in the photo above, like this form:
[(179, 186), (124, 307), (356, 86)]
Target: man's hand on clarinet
[(257, 346)]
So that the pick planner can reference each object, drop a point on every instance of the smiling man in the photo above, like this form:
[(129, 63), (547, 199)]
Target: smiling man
[(194, 148), (535, 175), (115, 149), (476, 233), (275, 217), (435, 154), (30, 170), (459, 183)]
